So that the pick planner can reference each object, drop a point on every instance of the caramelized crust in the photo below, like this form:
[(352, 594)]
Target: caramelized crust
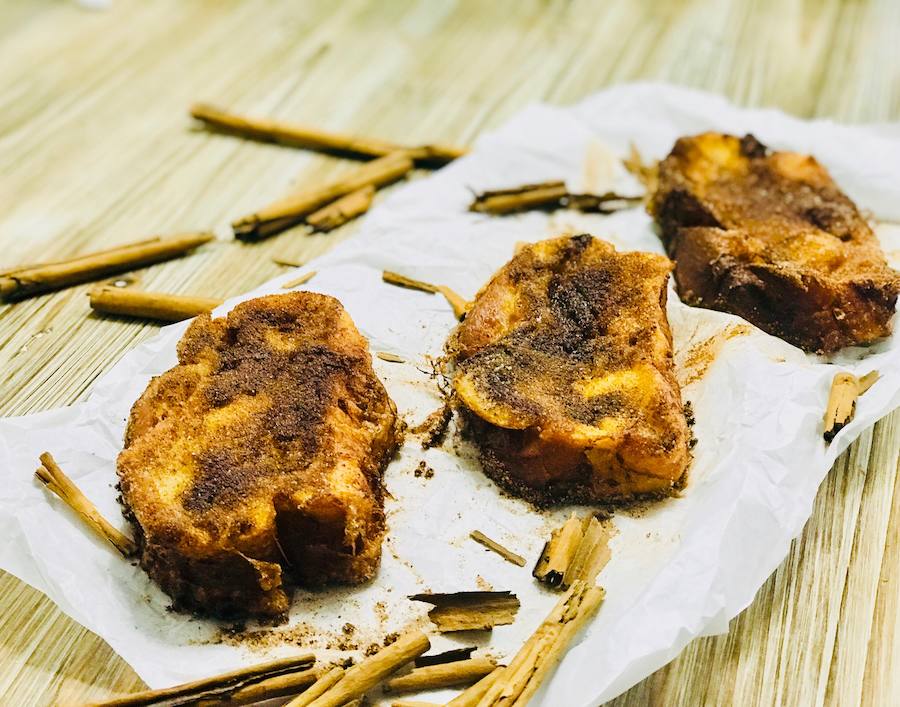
[(564, 374), (770, 237), (258, 459)]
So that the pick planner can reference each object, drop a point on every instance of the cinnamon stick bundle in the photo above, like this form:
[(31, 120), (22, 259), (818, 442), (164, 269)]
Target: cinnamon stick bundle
[(345, 209), (149, 305), (296, 135), (292, 209), (19, 284), (55, 480), (220, 687), (434, 677), (365, 675)]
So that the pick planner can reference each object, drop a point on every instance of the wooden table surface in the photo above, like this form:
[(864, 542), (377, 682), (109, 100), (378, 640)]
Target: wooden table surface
[(96, 149)]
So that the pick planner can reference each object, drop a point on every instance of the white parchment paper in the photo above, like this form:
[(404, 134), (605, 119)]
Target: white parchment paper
[(680, 569)]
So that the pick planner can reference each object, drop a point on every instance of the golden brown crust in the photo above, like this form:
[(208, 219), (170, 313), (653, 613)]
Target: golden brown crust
[(770, 237), (258, 459), (564, 372)]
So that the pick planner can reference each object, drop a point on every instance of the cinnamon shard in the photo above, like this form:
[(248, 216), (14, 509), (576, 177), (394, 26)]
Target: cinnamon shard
[(646, 172), (470, 611), (845, 389), (434, 427), (576, 551), (459, 305), (300, 280), (494, 546), (450, 656)]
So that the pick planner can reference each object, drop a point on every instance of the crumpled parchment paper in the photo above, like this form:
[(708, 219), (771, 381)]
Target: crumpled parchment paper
[(680, 569)]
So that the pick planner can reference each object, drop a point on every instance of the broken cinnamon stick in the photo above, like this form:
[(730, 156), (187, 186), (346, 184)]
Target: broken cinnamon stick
[(220, 686), (292, 209), (558, 552), (296, 135), (494, 546), (37, 279), (297, 281), (470, 611), (55, 480), (149, 305), (365, 675), (590, 556), (841, 407), (434, 677), (459, 305), (345, 209), (318, 688)]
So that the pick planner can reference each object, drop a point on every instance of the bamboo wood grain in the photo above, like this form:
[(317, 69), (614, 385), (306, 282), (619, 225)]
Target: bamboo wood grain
[(86, 154)]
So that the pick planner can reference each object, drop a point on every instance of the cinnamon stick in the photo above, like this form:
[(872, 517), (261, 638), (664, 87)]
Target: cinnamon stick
[(20, 284), (219, 686), (345, 209), (548, 196), (318, 688), (494, 546), (459, 305), (149, 305), (365, 675), (305, 136), (523, 198), (55, 480), (292, 209), (434, 677)]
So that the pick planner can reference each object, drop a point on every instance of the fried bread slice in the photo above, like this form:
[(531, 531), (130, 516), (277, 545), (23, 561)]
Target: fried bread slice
[(564, 374), (770, 237), (257, 461)]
